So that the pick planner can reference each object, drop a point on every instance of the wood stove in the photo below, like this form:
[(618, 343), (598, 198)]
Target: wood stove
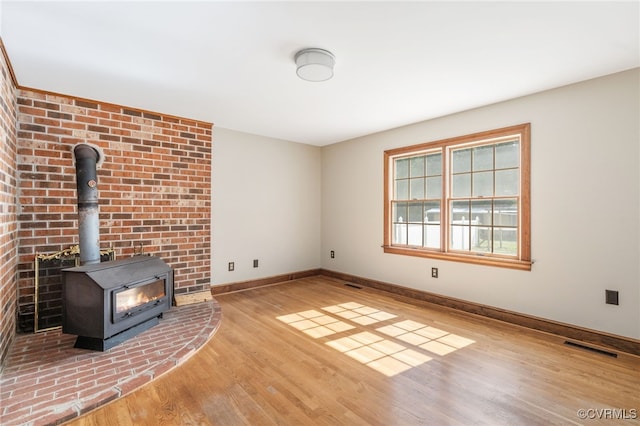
[(109, 302)]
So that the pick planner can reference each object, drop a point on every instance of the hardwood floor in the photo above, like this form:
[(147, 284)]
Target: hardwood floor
[(315, 351)]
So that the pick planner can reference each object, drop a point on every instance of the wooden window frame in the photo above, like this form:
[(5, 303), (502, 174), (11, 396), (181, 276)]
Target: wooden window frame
[(523, 259)]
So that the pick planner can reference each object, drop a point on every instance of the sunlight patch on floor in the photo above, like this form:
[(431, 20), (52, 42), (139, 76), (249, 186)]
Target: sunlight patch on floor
[(382, 354)]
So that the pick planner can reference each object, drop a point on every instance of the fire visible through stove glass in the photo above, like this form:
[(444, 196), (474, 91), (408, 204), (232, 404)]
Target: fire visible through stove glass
[(133, 300)]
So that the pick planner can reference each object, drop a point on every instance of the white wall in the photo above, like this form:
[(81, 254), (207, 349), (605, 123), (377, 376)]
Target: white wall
[(585, 207), (265, 206)]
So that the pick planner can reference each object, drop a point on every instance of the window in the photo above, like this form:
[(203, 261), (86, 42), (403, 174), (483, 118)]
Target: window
[(464, 199)]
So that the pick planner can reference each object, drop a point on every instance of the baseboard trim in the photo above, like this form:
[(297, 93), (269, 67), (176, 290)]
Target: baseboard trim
[(602, 339), (261, 282)]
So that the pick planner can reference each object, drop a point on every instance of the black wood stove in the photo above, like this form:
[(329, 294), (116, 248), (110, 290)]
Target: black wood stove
[(105, 303), (109, 302)]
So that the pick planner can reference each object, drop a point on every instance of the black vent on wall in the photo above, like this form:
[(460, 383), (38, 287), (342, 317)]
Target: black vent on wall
[(611, 297)]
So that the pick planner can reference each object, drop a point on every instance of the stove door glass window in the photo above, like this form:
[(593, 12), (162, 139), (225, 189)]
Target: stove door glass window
[(133, 300)]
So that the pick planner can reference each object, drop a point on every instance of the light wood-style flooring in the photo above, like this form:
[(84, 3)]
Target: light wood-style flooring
[(316, 351)]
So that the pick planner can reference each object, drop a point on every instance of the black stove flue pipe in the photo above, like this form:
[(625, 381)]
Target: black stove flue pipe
[(88, 219)]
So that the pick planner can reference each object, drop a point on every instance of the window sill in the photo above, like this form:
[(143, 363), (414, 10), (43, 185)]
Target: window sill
[(522, 265)]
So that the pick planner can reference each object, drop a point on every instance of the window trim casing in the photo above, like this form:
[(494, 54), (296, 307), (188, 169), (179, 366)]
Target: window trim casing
[(523, 261)]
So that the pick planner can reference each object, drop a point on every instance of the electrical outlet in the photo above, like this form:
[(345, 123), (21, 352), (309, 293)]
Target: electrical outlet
[(333, 254), (434, 272), (232, 266), (255, 263)]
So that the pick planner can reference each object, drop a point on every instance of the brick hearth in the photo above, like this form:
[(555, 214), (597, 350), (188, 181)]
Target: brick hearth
[(47, 381)]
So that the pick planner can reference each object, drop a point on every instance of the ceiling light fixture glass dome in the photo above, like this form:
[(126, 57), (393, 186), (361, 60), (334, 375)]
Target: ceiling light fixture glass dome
[(314, 64)]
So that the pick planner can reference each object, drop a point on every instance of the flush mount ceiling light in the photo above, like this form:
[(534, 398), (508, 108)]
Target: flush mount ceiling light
[(314, 64)]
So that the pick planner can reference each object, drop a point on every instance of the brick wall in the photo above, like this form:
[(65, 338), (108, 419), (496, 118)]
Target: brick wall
[(8, 218), (154, 186)]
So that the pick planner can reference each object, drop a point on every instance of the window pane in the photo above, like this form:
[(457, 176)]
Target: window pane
[(461, 161), (481, 212), (483, 184), (416, 213), (505, 212), (507, 182), (434, 164), (461, 185), (505, 241), (399, 233), (460, 212), (417, 166), (432, 211), (483, 158), (402, 168), (415, 235), (434, 187), (417, 189), (481, 239), (432, 236), (399, 212), (508, 155), (459, 238), (402, 189)]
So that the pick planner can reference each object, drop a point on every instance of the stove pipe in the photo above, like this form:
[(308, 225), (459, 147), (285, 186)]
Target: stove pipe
[(88, 219)]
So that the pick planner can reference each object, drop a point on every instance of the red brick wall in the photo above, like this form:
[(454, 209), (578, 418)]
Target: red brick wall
[(154, 186), (8, 218)]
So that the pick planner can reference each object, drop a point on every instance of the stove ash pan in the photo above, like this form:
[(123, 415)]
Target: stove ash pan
[(107, 303)]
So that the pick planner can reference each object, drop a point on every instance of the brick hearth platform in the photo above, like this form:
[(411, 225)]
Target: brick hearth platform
[(46, 380)]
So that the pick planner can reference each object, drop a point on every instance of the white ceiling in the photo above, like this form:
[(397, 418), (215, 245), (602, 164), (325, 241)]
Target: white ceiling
[(231, 63)]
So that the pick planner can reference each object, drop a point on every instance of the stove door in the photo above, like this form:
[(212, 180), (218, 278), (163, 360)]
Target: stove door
[(129, 301)]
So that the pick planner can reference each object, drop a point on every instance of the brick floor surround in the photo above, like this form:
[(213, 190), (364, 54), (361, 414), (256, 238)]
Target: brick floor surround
[(46, 380)]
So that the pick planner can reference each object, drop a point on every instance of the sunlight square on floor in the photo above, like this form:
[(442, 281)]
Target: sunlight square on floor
[(303, 325), (348, 314), (345, 344), (411, 357), (381, 315), (431, 332), (365, 354), (389, 366), (364, 320), (455, 341), (387, 347), (365, 310), (438, 348), (310, 313), (324, 319), (317, 332), (413, 339)]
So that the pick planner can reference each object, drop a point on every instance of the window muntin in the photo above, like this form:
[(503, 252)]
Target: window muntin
[(464, 199)]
